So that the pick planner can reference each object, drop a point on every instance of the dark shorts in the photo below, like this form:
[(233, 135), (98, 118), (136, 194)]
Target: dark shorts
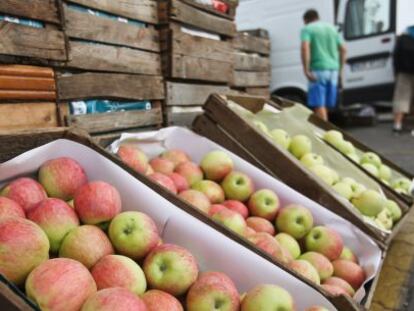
[(324, 91)]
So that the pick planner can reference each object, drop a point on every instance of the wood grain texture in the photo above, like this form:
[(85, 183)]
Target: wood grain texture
[(112, 121), (45, 43), (8, 95), (26, 71), (44, 10), (250, 79), (186, 94), (25, 116), (142, 10), (189, 15), (106, 85), (260, 91), (208, 8), (248, 43), (84, 26), (26, 83), (251, 62), (100, 57)]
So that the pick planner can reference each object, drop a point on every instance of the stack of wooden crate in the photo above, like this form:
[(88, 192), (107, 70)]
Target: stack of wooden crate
[(197, 54), (31, 34), (252, 70), (114, 55)]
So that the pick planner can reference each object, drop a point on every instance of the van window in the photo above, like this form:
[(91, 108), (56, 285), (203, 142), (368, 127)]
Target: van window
[(366, 18)]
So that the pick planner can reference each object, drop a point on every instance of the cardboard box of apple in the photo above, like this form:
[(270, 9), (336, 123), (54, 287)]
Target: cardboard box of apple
[(370, 162), (77, 232), (295, 231)]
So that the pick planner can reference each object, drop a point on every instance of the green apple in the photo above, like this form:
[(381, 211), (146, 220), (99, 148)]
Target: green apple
[(384, 172), (347, 254), (343, 189), (350, 181), (320, 263), (264, 203), (267, 298), (384, 219), (333, 137), (232, 220), (281, 137), (216, 165), (324, 173), (261, 127), (371, 168), (402, 183), (325, 241), (354, 157), (371, 158), (369, 203), (345, 147), (290, 243), (300, 145), (358, 189), (394, 209), (311, 159), (237, 186), (386, 182), (335, 176), (294, 220)]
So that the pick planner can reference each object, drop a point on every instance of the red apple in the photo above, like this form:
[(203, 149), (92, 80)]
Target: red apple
[(196, 199), (97, 202), (269, 245), (23, 246), (259, 224), (264, 203), (9, 208), (62, 177), (190, 171), (237, 206), (119, 271), (114, 299), (180, 182), (326, 241), (157, 300), (212, 190), (213, 291), (56, 218), (164, 181), (320, 263), (86, 244), (305, 269), (232, 220), (176, 156), (60, 284), (350, 272), (24, 191), (216, 165), (149, 171), (170, 268), (249, 232), (134, 158), (334, 290), (216, 208), (335, 281), (317, 308), (163, 166)]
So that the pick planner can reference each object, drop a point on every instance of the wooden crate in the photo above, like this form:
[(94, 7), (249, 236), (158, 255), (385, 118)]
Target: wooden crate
[(34, 45), (192, 57), (99, 43)]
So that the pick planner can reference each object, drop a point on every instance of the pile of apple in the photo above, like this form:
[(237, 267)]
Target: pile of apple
[(103, 259), (370, 161), (229, 197), (376, 209)]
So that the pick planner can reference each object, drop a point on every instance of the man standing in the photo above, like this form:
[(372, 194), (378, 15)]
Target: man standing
[(404, 68), (323, 57)]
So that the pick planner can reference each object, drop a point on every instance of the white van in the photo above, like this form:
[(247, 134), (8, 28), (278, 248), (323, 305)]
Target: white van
[(367, 26)]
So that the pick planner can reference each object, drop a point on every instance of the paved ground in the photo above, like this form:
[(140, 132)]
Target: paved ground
[(396, 283)]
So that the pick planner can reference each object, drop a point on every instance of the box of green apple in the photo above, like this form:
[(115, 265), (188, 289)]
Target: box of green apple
[(72, 215), (286, 140)]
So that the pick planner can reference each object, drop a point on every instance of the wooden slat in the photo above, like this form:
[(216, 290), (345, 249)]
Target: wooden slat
[(6, 95), (99, 57), (142, 10), (105, 85), (183, 116), (26, 83), (24, 116), (85, 26), (193, 68), (112, 121), (260, 91), (208, 8), (248, 43), (27, 41), (26, 71), (250, 79), (44, 10), (189, 15), (251, 62), (185, 94)]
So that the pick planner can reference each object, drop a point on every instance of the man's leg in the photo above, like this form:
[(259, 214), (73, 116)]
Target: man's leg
[(322, 113), (402, 99), (317, 96), (332, 91)]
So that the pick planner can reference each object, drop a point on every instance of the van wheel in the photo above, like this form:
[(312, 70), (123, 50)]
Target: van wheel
[(293, 96)]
